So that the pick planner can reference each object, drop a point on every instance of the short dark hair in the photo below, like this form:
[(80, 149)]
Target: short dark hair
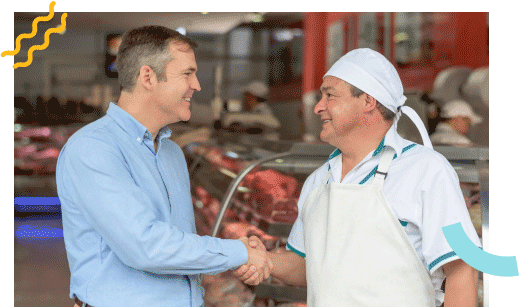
[(148, 45), (386, 113)]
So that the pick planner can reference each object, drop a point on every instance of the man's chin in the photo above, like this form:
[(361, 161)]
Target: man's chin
[(323, 136), (186, 117), (181, 118), (328, 138)]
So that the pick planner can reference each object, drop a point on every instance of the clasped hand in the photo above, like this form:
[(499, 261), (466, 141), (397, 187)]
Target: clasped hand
[(258, 266)]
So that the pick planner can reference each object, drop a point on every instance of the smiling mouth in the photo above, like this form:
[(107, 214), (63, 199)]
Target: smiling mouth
[(326, 121), (187, 99)]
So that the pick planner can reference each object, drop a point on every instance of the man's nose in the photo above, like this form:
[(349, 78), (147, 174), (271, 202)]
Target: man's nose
[(195, 85), (320, 106)]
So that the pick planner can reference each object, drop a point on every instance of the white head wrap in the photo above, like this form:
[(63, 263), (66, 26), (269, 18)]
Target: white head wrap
[(372, 73), (460, 107)]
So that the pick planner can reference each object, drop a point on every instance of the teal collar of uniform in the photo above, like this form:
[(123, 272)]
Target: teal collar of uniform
[(392, 139), (132, 126), (379, 148), (334, 154)]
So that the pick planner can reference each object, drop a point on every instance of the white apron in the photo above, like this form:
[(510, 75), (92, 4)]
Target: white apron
[(357, 252)]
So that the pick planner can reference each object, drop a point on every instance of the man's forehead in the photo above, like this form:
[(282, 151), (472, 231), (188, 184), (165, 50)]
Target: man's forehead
[(183, 56), (180, 46), (182, 49), (332, 83)]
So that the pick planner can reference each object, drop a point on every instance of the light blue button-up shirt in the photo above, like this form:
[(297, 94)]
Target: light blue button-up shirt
[(128, 219)]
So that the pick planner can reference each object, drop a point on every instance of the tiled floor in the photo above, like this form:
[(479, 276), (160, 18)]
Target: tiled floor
[(41, 273)]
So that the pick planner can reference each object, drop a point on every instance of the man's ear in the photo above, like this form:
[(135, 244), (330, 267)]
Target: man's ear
[(370, 103), (147, 78)]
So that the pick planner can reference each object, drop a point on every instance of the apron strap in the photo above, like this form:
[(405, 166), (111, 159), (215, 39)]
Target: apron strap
[(384, 166)]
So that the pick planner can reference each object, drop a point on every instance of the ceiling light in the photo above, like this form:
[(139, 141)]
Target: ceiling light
[(402, 36), (257, 17), (182, 30)]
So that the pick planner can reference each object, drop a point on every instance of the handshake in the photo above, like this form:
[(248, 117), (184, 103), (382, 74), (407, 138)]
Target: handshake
[(258, 266)]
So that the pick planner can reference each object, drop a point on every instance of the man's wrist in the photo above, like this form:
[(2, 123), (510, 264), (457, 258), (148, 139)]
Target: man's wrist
[(236, 251)]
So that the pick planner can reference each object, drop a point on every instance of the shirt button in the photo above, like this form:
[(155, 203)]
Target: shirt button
[(138, 139)]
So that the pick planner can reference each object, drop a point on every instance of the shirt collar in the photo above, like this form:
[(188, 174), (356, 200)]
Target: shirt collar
[(391, 139), (132, 126)]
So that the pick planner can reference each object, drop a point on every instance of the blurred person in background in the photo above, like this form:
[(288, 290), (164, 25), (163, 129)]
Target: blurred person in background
[(127, 212), (252, 115), (369, 227), (458, 117), (255, 95)]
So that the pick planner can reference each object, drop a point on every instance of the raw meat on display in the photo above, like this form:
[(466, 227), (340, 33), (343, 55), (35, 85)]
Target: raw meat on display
[(273, 194)]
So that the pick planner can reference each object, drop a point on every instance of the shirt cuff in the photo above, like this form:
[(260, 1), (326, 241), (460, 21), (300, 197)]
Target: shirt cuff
[(437, 263), (236, 251), (442, 260), (293, 249)]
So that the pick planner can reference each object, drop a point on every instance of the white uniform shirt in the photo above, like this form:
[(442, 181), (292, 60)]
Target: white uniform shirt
[(423, 190), (445, 135)]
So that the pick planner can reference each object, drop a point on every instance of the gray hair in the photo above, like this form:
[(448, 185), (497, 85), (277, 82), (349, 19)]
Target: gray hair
[(148, 45), (386, 113)]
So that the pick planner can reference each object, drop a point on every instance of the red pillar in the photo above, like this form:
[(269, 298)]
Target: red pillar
[(314, 53), (444, 37), (471, 40)]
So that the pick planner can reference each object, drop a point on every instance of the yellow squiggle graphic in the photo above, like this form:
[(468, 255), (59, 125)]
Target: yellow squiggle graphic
[(33, 33), (43, 46)]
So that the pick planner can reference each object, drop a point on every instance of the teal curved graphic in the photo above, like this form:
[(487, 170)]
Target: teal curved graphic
[(476, 257)]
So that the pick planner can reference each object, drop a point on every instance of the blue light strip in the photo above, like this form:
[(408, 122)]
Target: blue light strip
[(38, 232), (37, 204)]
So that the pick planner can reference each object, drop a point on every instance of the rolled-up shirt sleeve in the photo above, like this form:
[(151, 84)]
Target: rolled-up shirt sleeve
[(94, 177), (443, 205)]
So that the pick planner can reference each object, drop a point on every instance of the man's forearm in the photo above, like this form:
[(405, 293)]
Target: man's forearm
[(289, 267), (461, 286)]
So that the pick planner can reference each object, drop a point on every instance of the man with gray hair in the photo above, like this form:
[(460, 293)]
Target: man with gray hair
[(369, 230), (127, 213)]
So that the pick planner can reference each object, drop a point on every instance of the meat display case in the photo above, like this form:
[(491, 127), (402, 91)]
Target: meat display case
[(225, 198), (224, 204)]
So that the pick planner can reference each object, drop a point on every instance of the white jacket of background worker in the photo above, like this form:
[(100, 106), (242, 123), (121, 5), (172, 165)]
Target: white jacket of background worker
[(445, 134)]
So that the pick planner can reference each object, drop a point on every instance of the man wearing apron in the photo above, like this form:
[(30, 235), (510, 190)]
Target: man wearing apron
[(369, 231)]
